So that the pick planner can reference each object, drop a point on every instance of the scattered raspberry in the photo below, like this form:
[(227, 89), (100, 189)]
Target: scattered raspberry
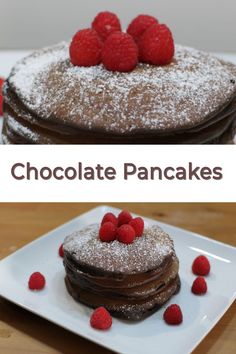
[(139, 25), (156, 46), (138, 225), (110, 217), (107, 232), (101, 319), (106, 23), (201, 266), (199, 286), (61, 251), (1, 84), (36, 281), (124, 217), (1, 98), (125, 234), (85, 48), (120, 52), (173, 315)]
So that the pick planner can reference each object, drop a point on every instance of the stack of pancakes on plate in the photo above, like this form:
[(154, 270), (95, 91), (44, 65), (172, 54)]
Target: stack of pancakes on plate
[(130, 281)]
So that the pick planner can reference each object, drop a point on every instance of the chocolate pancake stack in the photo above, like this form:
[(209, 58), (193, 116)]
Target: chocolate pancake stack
[(50, 101), (131, 281)]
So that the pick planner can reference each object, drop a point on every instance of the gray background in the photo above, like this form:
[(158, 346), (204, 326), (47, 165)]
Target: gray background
[(205, 24)]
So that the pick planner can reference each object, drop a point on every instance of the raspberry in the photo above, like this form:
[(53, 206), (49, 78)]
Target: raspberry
[(1, 84), (156, 46), (107, 232), (173, 315), (36, 281), (61, 251), (139, 25), (101, 319), (138, 225), (124, 217), (1, 98), (120, 52), (125, 234), (199, 286), (110, 217), (106, 23), (85, 48), (201, 266)]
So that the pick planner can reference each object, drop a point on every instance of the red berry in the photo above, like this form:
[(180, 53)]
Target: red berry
[(125, 234), (124, 217), (201, 266), (106, 23), (85, 48), (139, 25), (156, 46), (36, 281), (110, 217), (173, 315), (61, 251), (101, 319), (1, 98), (199, 286), (138, 225), (107, 232), (1, 84), (120, 52)]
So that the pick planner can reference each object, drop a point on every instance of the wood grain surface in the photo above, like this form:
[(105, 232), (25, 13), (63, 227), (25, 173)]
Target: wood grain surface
[(23, 332)]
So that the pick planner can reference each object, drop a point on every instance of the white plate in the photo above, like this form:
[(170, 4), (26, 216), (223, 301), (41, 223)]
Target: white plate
[(151, 335)]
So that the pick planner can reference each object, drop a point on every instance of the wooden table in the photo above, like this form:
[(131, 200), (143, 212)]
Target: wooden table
[(23, 332)]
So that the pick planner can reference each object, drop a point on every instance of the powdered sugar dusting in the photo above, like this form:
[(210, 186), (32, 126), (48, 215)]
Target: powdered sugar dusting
[(178, 95), (15, 126), (145, 253)]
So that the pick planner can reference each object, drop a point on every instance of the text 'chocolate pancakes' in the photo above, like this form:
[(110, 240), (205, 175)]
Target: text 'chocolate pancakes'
[(47, 100), (130, 280)]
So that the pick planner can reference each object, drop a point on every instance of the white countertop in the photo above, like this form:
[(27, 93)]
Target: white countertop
[(9, 57)]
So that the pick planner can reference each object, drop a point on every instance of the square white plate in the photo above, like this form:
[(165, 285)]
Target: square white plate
[(148, 336)]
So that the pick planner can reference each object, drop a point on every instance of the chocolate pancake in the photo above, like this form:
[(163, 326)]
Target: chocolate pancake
[(48, 100), (131, 281)]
